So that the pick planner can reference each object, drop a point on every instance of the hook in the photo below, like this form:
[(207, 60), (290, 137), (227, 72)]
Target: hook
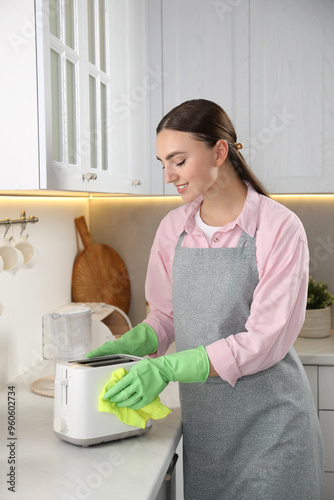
[(23, 226), (8, 221), (24, 223)]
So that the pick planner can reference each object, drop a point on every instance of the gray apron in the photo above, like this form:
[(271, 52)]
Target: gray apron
[(260, 440)]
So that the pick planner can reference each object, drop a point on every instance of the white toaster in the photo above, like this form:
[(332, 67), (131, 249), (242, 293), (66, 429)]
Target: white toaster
[(78, 385)]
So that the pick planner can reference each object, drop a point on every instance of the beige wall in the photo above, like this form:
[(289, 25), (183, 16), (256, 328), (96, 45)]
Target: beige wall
[(31, 293), (128, 225)]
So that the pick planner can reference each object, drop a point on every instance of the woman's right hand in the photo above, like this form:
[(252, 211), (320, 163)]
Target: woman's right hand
[(112, 347), (139, 341)]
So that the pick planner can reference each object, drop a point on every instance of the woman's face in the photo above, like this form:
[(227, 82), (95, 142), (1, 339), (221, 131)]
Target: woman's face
[(189, 164)]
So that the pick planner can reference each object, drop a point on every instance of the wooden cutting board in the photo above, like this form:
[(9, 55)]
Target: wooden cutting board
[(99, 274)]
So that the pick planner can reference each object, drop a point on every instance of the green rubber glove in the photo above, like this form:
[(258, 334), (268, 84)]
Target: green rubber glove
[(149, 377), (138, 341)]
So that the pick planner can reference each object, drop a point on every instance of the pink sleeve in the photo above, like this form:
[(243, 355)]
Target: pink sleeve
[(158, 291), (277, 312)]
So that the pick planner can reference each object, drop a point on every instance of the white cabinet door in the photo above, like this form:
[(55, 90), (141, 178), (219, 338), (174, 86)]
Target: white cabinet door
[(205, 55), (291, 146), (326, 419), (312, 375), (326, 387), (19, 120), (131, 83), (328, 486)]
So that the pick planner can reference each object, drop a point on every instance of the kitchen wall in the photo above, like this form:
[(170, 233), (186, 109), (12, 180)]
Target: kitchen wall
[(126, 224), (33, 292), (129, 225)]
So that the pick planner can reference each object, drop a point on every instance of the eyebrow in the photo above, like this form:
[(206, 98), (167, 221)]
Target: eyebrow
[(174, 153)]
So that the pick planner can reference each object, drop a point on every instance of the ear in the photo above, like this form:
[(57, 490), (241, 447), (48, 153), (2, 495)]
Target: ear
[(221, 152)]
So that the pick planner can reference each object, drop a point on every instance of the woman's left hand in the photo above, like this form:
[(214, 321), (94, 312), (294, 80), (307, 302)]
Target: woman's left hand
[(149, 377), (139, 387)]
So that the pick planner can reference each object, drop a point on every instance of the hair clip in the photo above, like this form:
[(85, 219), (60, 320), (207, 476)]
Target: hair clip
[(238, 145)]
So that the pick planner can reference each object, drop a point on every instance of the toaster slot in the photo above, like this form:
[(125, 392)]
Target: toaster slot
[(105, 361), (64, 390)]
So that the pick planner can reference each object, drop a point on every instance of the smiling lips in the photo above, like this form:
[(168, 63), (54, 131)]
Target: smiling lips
[(182, 188)]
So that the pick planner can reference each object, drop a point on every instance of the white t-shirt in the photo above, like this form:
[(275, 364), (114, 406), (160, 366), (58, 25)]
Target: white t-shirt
[(208, 231)]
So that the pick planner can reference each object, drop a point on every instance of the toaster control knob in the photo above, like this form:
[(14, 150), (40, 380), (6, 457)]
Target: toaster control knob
[(60, 425)]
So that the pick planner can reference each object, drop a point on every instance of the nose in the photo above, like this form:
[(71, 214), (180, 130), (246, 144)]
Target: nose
[(170, 174)]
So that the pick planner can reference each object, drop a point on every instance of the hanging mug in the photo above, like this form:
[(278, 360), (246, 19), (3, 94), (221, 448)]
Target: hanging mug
[(12, 257), (30, 254)]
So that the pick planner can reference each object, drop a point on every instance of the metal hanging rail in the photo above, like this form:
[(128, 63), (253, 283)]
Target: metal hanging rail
[(23, 220)]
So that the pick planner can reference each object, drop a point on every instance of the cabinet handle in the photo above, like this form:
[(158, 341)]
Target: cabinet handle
[(88, 176), (136, 182), (171, 467)]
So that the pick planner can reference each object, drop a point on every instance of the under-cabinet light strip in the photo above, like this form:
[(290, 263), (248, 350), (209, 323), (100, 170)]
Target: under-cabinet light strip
[(172, 198)]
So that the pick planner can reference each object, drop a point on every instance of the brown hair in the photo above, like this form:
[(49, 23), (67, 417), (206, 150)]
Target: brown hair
[(209, 123)]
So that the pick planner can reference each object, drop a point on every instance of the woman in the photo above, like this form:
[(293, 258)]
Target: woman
[(227, 278)]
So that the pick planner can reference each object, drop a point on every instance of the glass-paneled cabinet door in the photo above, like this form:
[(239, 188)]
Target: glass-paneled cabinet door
[(60, 75), (98, 102), (86, 56)]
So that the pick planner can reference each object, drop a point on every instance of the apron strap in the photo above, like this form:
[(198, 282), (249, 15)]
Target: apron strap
[(245, 239), (180, 240)]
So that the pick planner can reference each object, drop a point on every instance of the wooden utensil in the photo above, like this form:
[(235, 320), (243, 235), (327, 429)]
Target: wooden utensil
[(99, 274)]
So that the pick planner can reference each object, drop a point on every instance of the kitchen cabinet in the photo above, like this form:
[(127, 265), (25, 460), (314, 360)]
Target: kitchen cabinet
[(19, 119), (291, 147), (328, 486), (168, 488), (270, 65), (317, 356), (76, 110), (312, 375), (326, 387), (326, 414), (327, 427), (322, 384), (86, 83)]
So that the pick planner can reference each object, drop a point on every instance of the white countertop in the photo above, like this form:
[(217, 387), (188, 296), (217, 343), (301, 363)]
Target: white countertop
[(49, 468), (316, 351)]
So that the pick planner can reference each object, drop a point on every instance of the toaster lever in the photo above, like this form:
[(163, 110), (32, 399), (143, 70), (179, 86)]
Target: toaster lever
[(63, 383)]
